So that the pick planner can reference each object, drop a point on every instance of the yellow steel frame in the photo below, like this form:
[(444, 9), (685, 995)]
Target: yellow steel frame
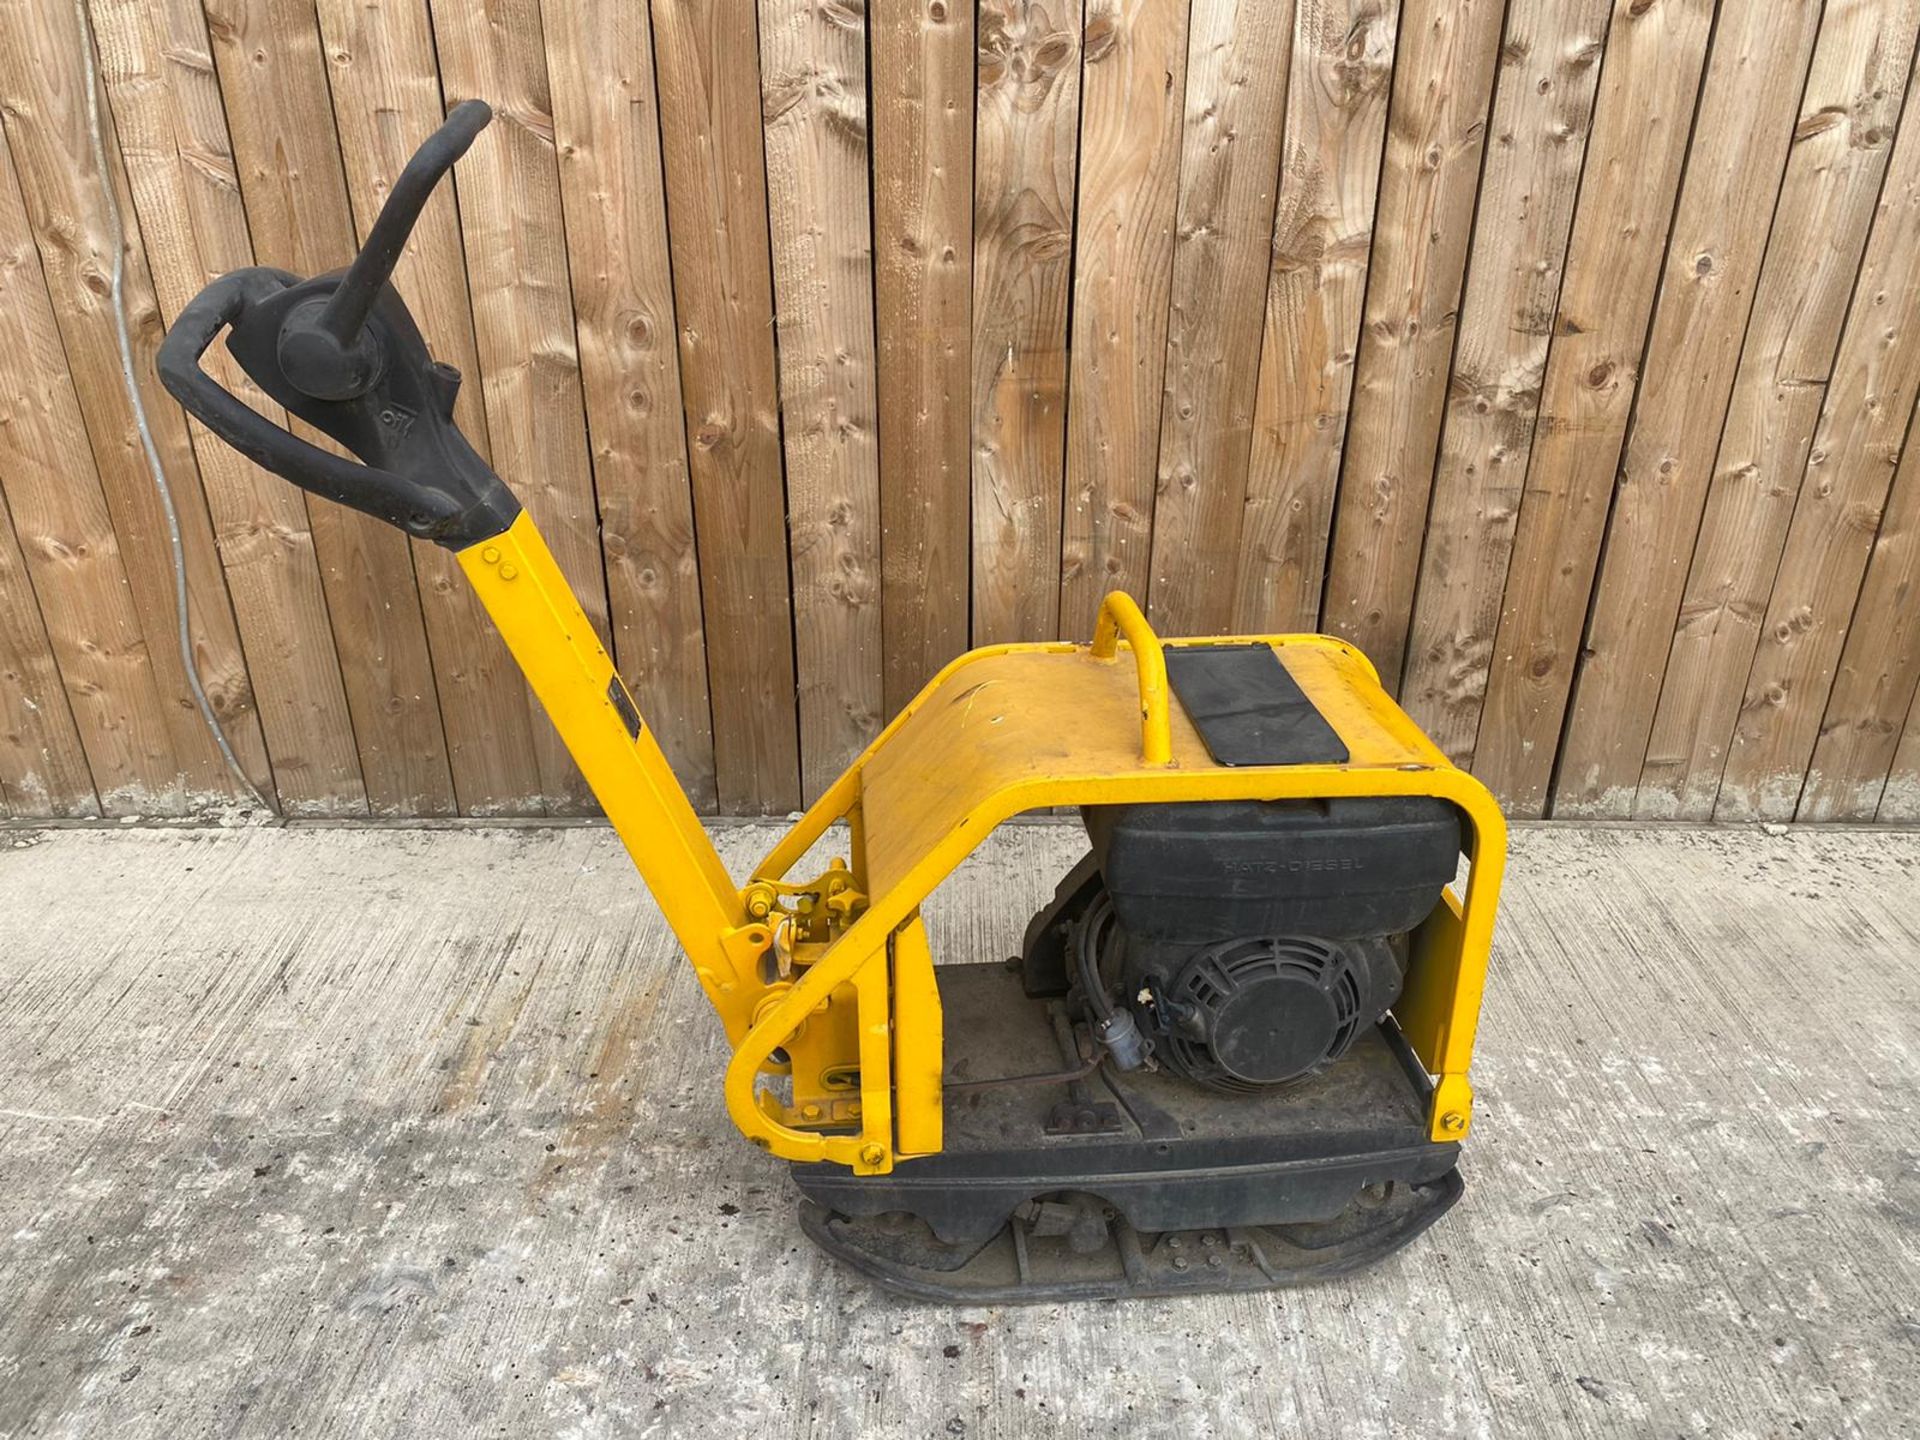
[(826, 986)]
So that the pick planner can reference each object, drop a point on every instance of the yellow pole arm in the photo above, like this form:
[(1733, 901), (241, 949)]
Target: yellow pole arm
[(525, 592)]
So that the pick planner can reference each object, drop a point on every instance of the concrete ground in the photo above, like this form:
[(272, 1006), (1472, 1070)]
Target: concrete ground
[(418, 1132)]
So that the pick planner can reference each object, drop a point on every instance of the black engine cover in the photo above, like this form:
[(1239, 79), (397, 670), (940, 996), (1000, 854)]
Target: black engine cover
[(1214, 870)]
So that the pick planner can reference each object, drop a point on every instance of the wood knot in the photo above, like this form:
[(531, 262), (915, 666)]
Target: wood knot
[(1819, 122), (1100, 39), (992, 45), (849, 15), (1051, 55), (1050, 244), (1863, 516)]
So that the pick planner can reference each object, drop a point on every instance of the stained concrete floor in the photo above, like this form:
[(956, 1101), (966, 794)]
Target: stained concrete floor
[(322, 1131)]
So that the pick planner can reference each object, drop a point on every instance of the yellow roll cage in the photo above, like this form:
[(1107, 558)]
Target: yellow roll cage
[(826, 986)]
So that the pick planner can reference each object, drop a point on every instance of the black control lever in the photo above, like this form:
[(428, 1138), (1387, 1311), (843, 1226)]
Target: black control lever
[(341, 352)]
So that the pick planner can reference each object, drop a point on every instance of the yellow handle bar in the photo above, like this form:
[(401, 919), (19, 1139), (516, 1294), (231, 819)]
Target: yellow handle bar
[(1119, 615)]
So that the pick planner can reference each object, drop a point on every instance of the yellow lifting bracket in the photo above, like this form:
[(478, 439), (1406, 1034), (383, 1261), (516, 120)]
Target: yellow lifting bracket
[(1120, 615)]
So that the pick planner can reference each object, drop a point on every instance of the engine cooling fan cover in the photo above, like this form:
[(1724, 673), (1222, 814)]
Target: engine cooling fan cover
[(1259, 1011)]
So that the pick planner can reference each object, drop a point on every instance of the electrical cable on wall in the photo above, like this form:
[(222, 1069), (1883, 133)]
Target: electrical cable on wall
[(147, 445)]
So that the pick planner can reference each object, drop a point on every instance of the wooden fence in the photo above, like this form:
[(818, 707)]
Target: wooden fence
[(1561, 353)]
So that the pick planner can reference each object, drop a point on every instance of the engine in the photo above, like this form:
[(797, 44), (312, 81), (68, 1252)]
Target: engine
[(1241, 944)]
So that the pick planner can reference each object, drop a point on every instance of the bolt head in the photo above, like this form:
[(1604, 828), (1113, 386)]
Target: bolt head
[(1453, 1122), (872, 1154)]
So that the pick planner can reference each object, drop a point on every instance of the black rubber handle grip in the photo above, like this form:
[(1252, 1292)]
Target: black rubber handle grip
[(378, 392), (347, 311), (221, 304)]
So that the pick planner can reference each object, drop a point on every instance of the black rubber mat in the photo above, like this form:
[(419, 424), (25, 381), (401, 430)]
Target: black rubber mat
[(1248, 709)]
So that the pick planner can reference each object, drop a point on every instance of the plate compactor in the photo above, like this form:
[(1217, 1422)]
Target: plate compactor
[(1233, 1051)]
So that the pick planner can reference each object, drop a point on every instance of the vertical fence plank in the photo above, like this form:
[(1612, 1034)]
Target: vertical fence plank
[(1873, 689), (157, 68), (1436, 125), (813, 81), (509, 197), (1642, 116), (1900, 801), (1748, 110), (1026, 133), (386, 100), (1133, 89), (607, 132), (68, 580), (1316, 286), (1542, 115), (273, 78), (1237, 59), (709, 79), (50, 109), (1869, 407), (923, 288), (1860, 71), (43, 764), (72, 555)]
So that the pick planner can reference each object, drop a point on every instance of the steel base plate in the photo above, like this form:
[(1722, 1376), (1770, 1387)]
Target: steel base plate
[(1168, 1188)]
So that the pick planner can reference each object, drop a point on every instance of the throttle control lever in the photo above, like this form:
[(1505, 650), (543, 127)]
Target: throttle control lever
[(341, 352)]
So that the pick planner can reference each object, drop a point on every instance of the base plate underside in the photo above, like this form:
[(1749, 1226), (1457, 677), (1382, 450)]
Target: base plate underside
[(1137, 1183)]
